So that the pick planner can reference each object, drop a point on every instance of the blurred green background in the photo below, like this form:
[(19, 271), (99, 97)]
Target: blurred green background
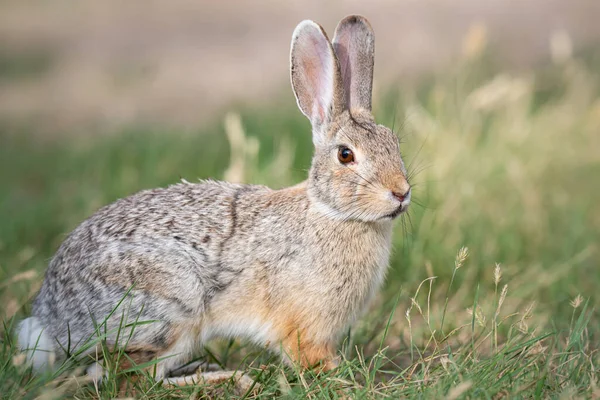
[(503, 152)]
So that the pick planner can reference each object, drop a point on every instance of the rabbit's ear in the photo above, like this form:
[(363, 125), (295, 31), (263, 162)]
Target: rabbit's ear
[(354, 46), (315, 76)]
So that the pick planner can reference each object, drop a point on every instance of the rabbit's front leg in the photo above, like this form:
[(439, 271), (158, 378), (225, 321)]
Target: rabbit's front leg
[(307, 354)]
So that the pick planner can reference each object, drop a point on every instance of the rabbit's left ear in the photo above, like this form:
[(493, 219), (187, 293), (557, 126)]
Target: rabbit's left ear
[(354, 45)]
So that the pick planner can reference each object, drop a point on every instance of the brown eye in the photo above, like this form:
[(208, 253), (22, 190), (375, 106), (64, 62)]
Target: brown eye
[(345, 155)]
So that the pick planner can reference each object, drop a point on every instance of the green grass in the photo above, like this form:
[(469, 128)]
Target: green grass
[(506, 165)]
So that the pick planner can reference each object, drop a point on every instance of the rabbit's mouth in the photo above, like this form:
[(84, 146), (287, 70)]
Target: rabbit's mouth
[(401, 208)]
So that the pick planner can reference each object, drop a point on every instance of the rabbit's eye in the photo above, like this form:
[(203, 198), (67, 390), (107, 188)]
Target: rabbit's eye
[(345, 155)]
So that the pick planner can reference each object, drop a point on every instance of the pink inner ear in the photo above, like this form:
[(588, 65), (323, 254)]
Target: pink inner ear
[(354, 47), (317, 63), (342, 51)]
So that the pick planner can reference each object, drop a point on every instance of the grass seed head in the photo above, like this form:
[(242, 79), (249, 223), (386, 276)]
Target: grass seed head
[(497, 274), (461, 256), (479, 315), (502, 297), (576, 302)]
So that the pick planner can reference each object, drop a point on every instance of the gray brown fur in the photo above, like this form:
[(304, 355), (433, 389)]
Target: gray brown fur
[(288, 269)]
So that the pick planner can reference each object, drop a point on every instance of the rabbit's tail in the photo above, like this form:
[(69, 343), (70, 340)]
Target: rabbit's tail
[(36, 344)]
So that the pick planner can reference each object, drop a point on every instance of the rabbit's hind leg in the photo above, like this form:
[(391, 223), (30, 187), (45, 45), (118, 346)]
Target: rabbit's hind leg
[(191, 368), (97, 371), (197, 372), (242, 382), (177, 355), (160, 363)]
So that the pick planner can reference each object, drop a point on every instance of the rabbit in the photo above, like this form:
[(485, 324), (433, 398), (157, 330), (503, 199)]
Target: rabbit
[(288, 269)]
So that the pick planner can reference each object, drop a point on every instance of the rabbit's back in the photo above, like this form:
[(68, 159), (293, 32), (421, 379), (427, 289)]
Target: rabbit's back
[(156, 252)]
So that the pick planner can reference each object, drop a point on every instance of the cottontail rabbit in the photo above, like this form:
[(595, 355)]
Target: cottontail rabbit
[(288, 269)]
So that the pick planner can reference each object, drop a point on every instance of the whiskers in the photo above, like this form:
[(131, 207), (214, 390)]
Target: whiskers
[(368, 182), (407, 226)]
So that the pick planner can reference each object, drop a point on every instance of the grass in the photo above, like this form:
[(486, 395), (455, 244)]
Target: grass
[(492, 287)]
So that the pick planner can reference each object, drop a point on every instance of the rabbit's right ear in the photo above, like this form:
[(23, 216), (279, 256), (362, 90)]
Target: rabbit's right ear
[(316, 78)]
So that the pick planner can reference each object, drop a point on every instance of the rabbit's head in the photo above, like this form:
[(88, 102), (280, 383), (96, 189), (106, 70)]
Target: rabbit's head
[(357, 172)]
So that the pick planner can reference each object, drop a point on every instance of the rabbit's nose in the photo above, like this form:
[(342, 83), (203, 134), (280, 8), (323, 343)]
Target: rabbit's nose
[(402, 197)]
